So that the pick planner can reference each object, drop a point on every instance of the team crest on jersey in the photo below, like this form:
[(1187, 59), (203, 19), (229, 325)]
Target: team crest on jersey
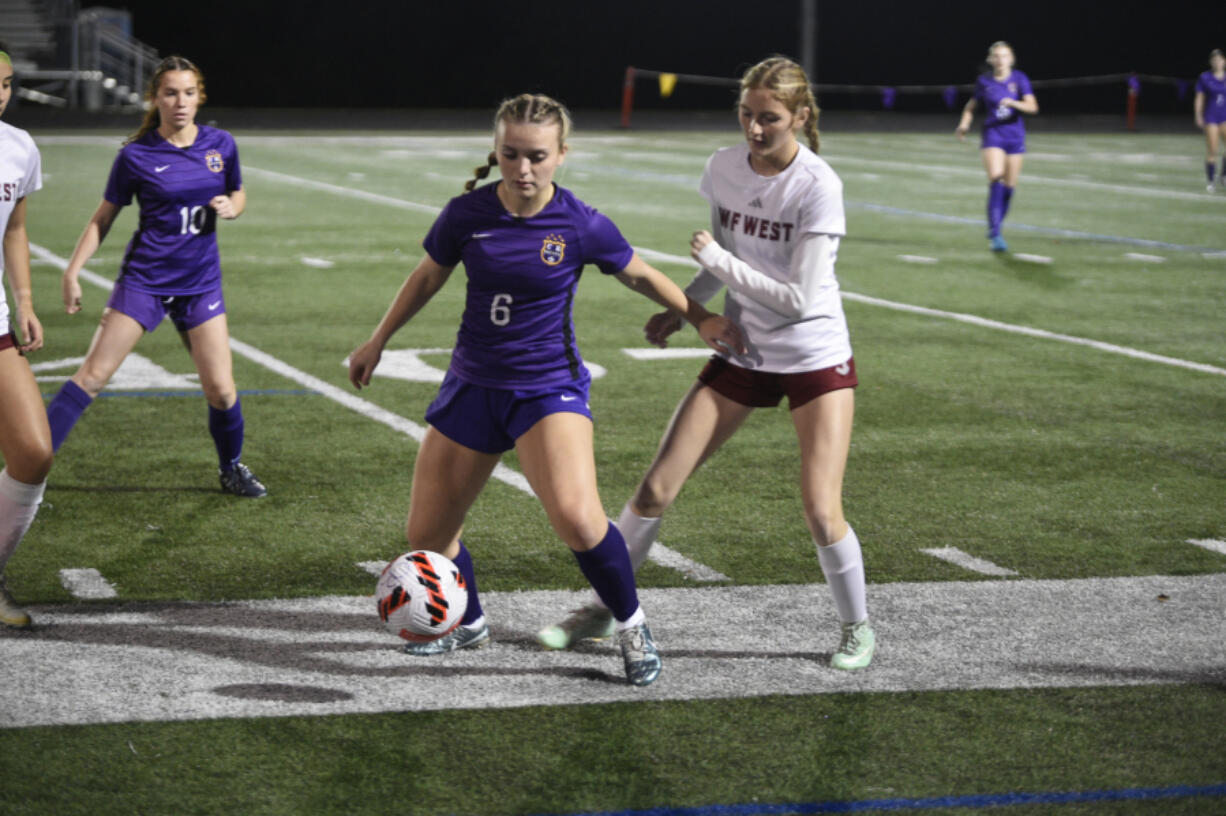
[(553, 249), (214, 161), (1012, 87)]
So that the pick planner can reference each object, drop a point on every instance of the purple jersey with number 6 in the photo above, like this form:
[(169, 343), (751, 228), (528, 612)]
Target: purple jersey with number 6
[(518, 325), (1214, 90), (1001, 122), (174, 250)]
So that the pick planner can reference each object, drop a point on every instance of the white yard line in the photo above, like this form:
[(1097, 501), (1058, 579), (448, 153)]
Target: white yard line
[(955, 556), (330, 655), (86, 584), (1211, 544)]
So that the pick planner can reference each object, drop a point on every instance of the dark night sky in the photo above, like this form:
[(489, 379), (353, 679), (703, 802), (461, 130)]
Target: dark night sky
[(471, 53)]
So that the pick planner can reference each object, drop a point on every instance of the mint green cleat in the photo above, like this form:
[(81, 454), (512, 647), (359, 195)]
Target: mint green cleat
[(459, 638), (11, 614), (591, 621), (856, 648)]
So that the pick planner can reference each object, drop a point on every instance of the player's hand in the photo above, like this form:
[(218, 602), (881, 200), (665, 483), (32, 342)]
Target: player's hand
[(960, 132), (362, 363), (31, 330), (660, 326), (698, 241), (71, 290), (721, 334), (224, 207)]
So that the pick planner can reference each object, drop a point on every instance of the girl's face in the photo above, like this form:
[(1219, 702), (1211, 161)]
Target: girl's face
[(177, 99), (1001, 58), (6, 85), (1217, 62), (528, 155), (770, 128)]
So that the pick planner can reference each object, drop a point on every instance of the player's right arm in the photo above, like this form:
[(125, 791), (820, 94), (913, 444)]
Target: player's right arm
[(964, 124), (700, 289), (421, 285), (95, 231)]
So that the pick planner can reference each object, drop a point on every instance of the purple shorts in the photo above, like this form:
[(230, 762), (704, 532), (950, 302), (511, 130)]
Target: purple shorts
[(1010, 141), (1215, 116), (489, 420), (186, 311)]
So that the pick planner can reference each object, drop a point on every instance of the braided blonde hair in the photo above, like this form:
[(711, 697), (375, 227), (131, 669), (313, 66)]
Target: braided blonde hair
[(787, 81), (529, 109)]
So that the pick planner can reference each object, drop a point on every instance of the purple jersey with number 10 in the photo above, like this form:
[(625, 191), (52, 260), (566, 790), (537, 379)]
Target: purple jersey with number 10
[(518, 326), (1000, 121), (174, 250), (1214, 90)]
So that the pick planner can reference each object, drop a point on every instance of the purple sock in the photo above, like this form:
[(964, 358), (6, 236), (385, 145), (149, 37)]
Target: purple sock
[(996, 198), (226, 428), (1005, 202), (1209, 168), (64, 410), (607, 568), (465, 563)]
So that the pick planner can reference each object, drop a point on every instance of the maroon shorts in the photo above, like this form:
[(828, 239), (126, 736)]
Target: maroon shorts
[(763, 389), (7, 341)]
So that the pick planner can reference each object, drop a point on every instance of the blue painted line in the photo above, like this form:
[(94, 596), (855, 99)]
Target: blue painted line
[(970, 801), (1062, 233), (256, 392)]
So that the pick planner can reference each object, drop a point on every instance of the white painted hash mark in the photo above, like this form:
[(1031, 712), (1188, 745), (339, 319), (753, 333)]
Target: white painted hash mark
[(1141, 256), (666, 353), (375, 568), (1028, 258), (86, 584), (919, 259), (690, 569), (967, 561), (318, 263), (1211, 544)]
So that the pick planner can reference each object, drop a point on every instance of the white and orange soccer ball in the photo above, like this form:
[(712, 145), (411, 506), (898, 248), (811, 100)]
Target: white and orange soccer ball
[(421, 596)]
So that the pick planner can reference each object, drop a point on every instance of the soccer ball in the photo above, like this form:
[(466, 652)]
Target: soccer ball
[(421, 596)]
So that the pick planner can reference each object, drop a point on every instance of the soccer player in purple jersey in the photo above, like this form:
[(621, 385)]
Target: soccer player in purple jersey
[(185, 176), (25, 439), (1210, 109), (1005, 94), (516, 379)]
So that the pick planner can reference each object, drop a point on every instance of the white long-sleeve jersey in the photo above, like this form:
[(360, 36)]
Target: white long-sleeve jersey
[(776, 242), (20, 175)]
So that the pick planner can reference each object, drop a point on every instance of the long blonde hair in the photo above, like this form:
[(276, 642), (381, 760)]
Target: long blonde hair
[(529, 109), (153, 119), (787, 81)]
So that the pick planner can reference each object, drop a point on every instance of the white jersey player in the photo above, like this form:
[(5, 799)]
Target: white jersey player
[(25, 438), (777, 217)]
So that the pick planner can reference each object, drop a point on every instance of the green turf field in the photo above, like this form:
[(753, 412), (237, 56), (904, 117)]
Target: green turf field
[(1040, 454)]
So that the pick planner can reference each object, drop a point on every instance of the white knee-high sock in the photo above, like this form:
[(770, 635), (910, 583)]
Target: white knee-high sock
[(639, 532), (18, 505), (843, 566)]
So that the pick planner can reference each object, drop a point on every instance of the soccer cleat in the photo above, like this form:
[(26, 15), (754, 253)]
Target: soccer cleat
[(998, 244), (460, 638), (640, 655), (591, 621), (1210, 187), (240, 481), (856, 648), (10, 613)]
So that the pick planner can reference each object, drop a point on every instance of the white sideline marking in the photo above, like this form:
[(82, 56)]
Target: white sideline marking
[(666, 353), (690, 569), (1211, 544), (375, 568), (326, 656), (318, 263), (919, 259), (1213, 255), (1046, 335), (1028, 258), (324, 186), (967, 561), (87, 584), (1141, 256)]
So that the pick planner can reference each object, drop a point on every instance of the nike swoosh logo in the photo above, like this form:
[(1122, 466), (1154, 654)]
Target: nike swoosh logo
[(843, 369), (213, 306), (160, 169), (568, 399), (482, 234)]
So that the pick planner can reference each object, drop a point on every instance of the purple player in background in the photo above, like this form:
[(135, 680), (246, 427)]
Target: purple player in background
[(1005, 94), (516, 379), (185, 176), (1210, 110)]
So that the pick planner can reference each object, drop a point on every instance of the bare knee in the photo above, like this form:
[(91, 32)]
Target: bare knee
[(652, 497), (91, 379), (826, 522), (220, 397), (31, 462), (580, 527)]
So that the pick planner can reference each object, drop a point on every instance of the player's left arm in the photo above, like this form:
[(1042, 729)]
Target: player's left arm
[(717, 331), (17, 267), (231, 205), (811, 263)]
